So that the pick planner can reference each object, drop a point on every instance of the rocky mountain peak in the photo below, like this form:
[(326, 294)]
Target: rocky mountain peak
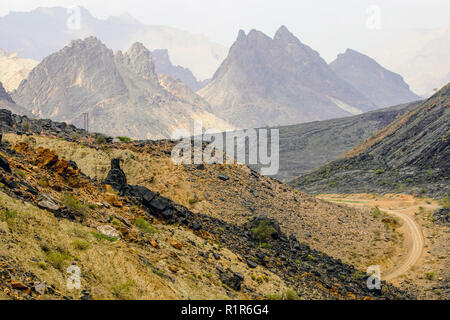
[(283, 34), (139, 59), (381, 86)]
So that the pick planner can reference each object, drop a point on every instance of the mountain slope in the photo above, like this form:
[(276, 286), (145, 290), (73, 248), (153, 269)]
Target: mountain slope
[(130, 242), (381, 86), (121, 92), (278, 81), (163, 65), (13, 69), (411, 154), (306, 146), (39, 33)]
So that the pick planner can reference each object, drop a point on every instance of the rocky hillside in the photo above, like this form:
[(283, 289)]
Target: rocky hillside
[(163, 65), (381, 86), (13, 69), (136, 240), (306, 146), (409, 155), (120, 92), (43, 31), (6, 102), (279, 81)]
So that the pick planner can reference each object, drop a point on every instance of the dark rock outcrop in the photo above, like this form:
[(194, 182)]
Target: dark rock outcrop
[(116, 177)]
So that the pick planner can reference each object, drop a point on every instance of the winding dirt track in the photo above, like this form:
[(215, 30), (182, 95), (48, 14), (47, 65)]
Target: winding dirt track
[(413, 235), (416, 245)]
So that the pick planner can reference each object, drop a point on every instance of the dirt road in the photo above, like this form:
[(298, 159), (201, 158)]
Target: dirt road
[(402, 207)]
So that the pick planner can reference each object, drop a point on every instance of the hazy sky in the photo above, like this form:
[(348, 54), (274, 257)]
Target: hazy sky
[(329, 26)]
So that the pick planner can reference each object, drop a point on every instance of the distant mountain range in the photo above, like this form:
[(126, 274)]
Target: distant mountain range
[(409, 155), (43, 31), (121, 92), (281, 81), (381, 86), (13, 69)]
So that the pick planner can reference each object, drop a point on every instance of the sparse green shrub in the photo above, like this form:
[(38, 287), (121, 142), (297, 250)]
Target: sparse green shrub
[(42, 265), (57, 259), (266, 245), (124, 139), (193, 200), (6, 214), (290, 294), (80, 245), (21, 173), (379, 171), (100, 140), (263, 231), (121, 291), (101, 236), (309, 257), (74, 206), (430, 275), (145, 226)]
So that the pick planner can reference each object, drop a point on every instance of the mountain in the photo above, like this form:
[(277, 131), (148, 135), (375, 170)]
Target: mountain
[(163, 65), (39, 33), (409, 155), (13, 69), (306, 146), (138, 228), (121, 92), (279, 81), (421, 56), (383, 87)]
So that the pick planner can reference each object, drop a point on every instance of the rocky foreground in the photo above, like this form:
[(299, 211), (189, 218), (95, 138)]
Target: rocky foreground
[(132, 242)]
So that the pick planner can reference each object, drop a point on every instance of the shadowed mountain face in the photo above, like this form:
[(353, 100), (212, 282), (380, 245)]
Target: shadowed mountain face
[(383, 87), (163, 65), (306, 146), (279, 81), (39, 33), (121, 92), (411, 154)]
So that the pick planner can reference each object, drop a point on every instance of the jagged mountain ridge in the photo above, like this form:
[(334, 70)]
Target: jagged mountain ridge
[(43, 31), (279, 81), (381, 86), (121, 92), (409, 155)]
